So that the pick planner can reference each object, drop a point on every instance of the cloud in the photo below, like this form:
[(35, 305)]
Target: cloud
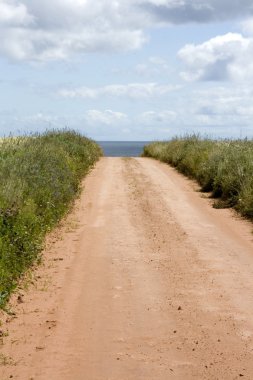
[(132, 90), (54, 30), (226, 102), (221, 58), (13, 14), (107, 117), (50, 30), (247, 26), (197, 11), (161, 117), (153, 66)]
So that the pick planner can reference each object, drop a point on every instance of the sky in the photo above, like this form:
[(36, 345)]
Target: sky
[(128, 69)]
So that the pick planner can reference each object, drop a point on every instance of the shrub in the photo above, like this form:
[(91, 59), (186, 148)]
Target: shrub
[(224, 168), (39, 177)]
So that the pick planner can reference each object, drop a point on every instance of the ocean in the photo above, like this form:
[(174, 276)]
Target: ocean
[(122, 148)]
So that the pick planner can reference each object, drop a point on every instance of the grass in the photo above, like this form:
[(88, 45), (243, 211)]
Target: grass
[(39, 178), (224, 168), (6, 360)]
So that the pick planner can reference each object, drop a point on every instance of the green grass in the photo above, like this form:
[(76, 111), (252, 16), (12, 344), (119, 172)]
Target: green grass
[(224, 168), (39, 178)]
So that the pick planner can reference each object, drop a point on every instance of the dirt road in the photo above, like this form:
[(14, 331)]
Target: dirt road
[(146, 281)]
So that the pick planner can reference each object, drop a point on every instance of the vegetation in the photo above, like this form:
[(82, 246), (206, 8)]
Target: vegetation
[(224, 168), (39, 177)]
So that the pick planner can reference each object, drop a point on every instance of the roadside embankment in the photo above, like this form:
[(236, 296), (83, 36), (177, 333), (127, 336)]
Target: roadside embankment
[(224, 168), (39, 178)]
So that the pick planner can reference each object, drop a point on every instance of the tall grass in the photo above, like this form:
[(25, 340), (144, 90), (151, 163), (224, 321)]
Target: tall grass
[(224, 168), (39, 177)]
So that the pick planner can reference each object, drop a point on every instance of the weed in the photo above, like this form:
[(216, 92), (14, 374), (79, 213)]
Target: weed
[(6, 360), (39, 178), (224, 168)]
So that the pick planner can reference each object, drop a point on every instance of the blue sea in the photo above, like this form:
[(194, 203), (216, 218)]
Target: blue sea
[(122, 148)]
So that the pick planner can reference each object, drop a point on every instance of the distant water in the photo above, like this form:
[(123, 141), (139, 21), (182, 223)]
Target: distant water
[(122, 148)]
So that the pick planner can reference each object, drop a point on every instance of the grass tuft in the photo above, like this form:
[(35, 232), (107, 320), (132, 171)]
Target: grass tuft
[(224, 168), (39, 178)]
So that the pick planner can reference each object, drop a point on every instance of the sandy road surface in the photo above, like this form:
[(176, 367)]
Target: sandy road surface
[(146, 282)]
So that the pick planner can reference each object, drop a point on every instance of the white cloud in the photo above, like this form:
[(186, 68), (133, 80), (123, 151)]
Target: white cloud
[(221, 58), (153, 66), (44, 46), (13, 14), (162, 117), (107, 117), (42, 118), (225, 102), (247, 26), (132, 90), (48, 30)]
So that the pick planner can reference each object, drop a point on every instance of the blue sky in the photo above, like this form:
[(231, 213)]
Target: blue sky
[(127, 70)]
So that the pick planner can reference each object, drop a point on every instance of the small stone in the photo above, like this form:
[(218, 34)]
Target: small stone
[(179, 308), (20, 299), (40, 348)]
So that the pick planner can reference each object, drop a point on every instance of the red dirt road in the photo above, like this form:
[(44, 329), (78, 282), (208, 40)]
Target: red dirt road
[(146, 281)]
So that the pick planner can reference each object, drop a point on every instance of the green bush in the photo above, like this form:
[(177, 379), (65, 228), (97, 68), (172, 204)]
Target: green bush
[(224, 168), (39, 177)]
